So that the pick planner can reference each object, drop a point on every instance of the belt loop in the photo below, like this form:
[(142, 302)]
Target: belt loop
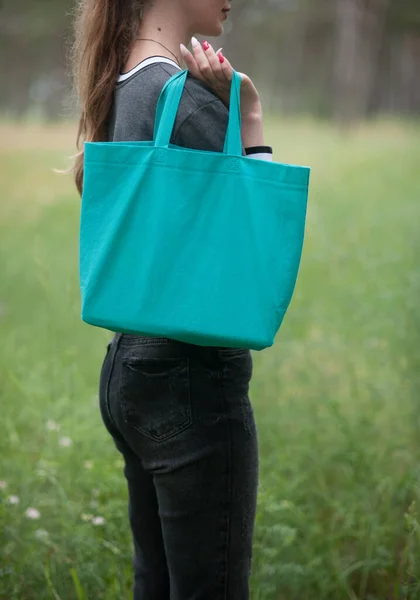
[(117, 337)]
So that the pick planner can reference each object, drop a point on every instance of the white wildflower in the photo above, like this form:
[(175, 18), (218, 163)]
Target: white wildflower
[(98, 520), (52, 425), (14, 499), (3, 485), (65, 442), (32, 513), (88, 464), (41, 534)]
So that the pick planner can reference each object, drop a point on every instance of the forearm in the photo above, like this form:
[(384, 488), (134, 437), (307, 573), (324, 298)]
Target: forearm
[(252, 132), (253, 138)]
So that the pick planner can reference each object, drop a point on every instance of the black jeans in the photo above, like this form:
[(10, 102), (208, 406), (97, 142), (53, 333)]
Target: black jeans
[(180, 415)]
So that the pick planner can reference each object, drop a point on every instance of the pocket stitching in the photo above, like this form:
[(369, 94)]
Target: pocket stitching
[(183, 363), (233, 352)]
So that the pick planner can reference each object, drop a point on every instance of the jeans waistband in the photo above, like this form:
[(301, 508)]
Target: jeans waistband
[(132, 340)]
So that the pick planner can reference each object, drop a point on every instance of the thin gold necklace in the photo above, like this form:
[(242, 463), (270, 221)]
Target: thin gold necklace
[(150, 40)]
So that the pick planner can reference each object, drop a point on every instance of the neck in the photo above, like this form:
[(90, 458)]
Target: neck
[(163, 22)]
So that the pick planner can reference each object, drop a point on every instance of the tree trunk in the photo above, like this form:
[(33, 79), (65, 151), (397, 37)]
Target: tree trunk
[(360, 28)]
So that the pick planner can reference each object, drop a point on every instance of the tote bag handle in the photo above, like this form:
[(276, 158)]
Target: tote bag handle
[(167, 109)]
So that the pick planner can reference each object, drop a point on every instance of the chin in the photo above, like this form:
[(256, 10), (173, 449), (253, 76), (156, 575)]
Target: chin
[(213, 30)]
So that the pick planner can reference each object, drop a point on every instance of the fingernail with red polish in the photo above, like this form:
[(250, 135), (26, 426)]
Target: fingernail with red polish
[(206, 45), (221, 57)]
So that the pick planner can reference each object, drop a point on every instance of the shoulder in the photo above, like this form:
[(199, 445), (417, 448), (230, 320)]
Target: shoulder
[(202, 117), (149, 81), (136, 98), (146, 85)]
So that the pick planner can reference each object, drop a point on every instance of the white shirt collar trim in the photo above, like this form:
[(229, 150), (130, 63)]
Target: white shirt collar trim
[(145, 63)]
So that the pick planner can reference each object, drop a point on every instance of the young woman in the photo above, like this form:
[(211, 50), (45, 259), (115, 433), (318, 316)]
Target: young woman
[(179, 413)]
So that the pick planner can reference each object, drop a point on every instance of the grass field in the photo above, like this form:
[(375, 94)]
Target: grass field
[(337, 399)]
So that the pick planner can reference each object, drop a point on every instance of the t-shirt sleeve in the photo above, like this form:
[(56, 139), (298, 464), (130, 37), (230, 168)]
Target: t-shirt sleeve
[(205, 129)]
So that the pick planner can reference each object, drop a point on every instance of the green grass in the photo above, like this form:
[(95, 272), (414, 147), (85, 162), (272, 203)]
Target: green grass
[(336, 399)]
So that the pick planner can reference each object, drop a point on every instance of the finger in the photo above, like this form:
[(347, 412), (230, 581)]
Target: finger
[(226, 68), (190, 61), (216, 65), (202, 61)]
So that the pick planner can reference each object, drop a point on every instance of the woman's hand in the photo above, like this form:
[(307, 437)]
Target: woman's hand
[(204, 64)]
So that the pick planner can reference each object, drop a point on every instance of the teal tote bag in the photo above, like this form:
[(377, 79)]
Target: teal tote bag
[(198, 246)]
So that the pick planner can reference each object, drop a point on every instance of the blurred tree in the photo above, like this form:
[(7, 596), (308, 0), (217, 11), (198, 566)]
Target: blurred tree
[(31, 46), (360, 30), (405, 14), (342, 58)]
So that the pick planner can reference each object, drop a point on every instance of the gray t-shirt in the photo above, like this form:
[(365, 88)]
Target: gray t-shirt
[(201, 121)]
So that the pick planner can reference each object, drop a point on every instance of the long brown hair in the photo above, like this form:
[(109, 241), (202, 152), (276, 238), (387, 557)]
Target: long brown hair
[(104, 31)]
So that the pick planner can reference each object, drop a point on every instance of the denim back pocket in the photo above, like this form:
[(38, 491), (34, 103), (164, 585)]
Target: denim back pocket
[(155, 395)]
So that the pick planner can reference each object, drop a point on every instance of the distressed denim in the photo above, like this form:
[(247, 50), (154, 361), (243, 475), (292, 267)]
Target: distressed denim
[(181, 416)]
